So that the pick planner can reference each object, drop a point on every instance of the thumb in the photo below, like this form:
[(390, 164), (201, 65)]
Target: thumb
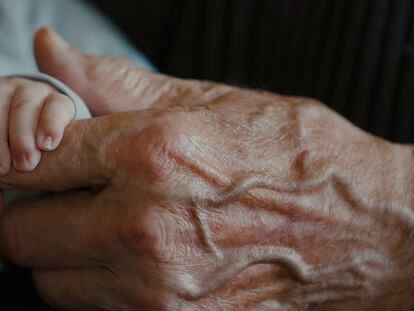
[(82, 160), (110, 85), (107, 84), (57, 58)]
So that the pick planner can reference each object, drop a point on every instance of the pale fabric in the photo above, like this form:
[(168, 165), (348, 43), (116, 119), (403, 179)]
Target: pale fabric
[(75, 20)]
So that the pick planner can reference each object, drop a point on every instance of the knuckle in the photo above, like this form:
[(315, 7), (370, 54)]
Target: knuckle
[(142, 234), (160, 149), (156, 151), (165, 153), (154, 147), (165, 148), (21, 103)]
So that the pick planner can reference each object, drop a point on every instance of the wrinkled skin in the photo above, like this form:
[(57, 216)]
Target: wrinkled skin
[(209, 197)]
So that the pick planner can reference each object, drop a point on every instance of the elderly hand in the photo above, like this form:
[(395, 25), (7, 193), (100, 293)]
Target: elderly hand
[(224, 199)]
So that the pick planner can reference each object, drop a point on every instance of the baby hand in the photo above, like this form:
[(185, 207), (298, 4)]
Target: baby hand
[(33, 116)]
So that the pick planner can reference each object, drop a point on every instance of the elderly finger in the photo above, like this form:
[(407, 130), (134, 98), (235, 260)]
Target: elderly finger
[(100, 289), (82, 289), (54, 232), (112, 85)]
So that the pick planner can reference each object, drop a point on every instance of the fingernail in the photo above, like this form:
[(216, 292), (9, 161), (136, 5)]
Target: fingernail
[(26, 162), (19, 162), (46, 142)]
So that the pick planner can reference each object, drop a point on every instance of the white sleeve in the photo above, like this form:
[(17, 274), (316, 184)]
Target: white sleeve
[(82, 111)]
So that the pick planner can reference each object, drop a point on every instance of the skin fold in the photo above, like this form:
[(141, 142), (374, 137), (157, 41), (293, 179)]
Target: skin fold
[(189, 195)]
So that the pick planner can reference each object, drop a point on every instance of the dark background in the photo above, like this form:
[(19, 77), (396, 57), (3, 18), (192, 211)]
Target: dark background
[(354, 55)]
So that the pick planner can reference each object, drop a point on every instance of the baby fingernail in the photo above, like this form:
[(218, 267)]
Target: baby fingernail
[(25, 162), (20, 161), (46, 142)]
